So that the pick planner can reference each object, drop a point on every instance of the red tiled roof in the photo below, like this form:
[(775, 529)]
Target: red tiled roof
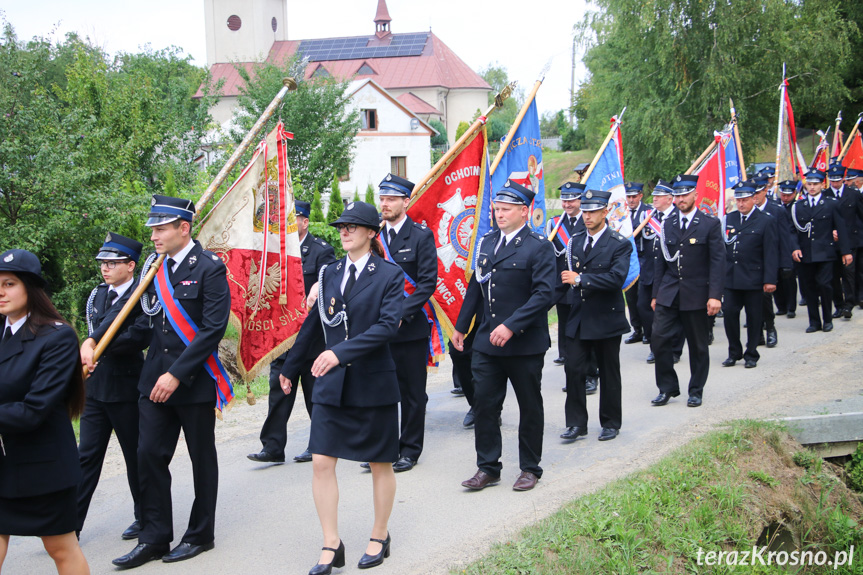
[(417, 105), (436, 66)]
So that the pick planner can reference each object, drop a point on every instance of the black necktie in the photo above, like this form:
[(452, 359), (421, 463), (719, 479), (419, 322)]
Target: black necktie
[(7, 335), (170, 269), (589, 246), (352, 269), (685, 223), (743, 219), (392, 236), (112, 297), (501, 245)]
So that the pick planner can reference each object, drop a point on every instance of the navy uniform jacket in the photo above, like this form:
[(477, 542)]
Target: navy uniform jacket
[(41, 453), (751, 251), (518, 293), (414, 250), (315, 253), (699, 272), (817, 243), (115, 378), (654, 251), (851, 208), (597, 302), (366, 374), (562, 292), (641, 243), (785, 232), (201, 287)]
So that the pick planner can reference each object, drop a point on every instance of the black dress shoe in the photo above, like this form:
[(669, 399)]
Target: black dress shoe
[(590, 385), (185, 551), (781, 312), (645, 340), (828, 327), (608, 433), (141, 554), (573, 433), (367, 561), (404, 464), (634, 337), (131, 531), (750, 363), (560, 361), (791, 315), (469, 419), (761, 340), (651, 358), (802, 301), (730, 362), (813, 328), (837, 313), (710, 337), (847, 313), (662, 398), (693, 401), (303, 457), (772, 338), (457, 391), (365, 465), (338, 561), (266, 457)]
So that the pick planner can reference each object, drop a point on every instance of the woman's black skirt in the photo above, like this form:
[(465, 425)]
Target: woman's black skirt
[(50, 514), (356, 433)]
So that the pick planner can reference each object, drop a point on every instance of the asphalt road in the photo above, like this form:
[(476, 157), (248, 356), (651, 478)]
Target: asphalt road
[(266, 520)]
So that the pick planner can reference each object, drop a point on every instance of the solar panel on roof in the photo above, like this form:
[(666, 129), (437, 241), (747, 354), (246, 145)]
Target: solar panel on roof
[(357, 48)]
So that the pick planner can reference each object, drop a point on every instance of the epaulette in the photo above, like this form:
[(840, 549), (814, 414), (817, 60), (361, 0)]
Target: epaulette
[(422, 226), (537, 235), (618, 236), (321, 242)]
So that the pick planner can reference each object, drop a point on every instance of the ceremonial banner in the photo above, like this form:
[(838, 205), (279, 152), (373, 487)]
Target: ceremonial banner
[(733, 170), (455, 206), (854, 156), (787, 158), (522, 163), (253, 229), (607, 175), (712, 178), (821, 161)]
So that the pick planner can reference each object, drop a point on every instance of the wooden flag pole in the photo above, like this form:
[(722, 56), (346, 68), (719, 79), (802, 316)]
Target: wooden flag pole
[(738, 143), (442, 164), (701, 158), (850, 137), (288, 85), (515, 126), (617, 121)]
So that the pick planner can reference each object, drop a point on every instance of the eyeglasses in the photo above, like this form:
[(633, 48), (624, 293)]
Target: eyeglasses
[(111, 264), (351, 228)]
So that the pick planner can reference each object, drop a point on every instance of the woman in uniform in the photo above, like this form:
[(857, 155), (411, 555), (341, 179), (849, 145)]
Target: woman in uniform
[(41, 390), (356, 394)]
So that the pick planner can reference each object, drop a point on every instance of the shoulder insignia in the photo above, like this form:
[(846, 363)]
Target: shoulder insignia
[(215, 257), (58, 323)]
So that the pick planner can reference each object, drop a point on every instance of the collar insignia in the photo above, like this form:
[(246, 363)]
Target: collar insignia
[(371, 267), (517, 240), (192, 260)]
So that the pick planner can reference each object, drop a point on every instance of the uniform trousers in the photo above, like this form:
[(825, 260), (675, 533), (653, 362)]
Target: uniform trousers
[(768, 314), (274, 431), (753, 301), (817, 281), (490, 373), (844, 288), (411, 358), (858, 274), (160, 426), (645, 312), (608, 356), (98, 420), (562, 317), (786, 291), (696, 325), (632, 304), (461, 370)]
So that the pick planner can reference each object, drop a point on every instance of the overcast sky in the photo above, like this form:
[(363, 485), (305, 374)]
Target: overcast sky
[(520, 36)]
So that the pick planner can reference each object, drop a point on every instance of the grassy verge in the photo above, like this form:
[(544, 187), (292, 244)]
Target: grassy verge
[(747, 484)]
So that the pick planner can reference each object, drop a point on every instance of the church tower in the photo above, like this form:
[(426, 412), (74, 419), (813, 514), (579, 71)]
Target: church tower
[(243, 30)]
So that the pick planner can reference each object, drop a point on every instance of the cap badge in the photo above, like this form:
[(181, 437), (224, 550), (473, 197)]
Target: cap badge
[(108, 238), (678, 178), (389, 178), (350, 206), (153, 202), (507, 184), (9, 258), (588, 194)]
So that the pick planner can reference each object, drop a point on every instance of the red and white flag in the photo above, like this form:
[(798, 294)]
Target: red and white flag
[(711, 179), (253, 229), (854, 156)]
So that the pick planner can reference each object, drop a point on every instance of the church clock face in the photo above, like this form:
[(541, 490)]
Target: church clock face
[(234, 23), (274, 23)]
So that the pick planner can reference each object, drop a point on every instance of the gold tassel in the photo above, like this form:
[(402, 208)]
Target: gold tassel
[(283, 299)]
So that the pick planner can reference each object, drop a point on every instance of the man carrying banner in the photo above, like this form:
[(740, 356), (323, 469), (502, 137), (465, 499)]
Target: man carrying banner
[(638, 210), (185, 313), (786, 290), (687, 288), (751, 270), (514, 281), (851, 209), (412, 247), (315, 254), (816, 216), (570, 199), (112, 389), (597, 269)]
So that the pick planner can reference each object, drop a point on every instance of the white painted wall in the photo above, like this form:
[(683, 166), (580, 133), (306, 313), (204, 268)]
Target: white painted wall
[(252, 42)]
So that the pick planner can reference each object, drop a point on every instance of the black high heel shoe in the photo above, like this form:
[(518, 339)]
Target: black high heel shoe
[(368, 561), (338, 561)]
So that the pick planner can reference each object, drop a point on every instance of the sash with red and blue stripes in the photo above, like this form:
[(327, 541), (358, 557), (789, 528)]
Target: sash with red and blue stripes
[(436, 340), (186, 329), (562, 232)]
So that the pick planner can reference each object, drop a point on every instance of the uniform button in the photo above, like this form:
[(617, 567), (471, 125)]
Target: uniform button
[(493, 315), (493, 270), (492, 300), (166, 350), (492, 285)]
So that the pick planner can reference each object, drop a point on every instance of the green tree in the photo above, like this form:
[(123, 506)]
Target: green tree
[(317, 210), (440, 139), (336, 206), (356, 197), (461, 129), (316, 112), (674, 64), (370, 195)]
